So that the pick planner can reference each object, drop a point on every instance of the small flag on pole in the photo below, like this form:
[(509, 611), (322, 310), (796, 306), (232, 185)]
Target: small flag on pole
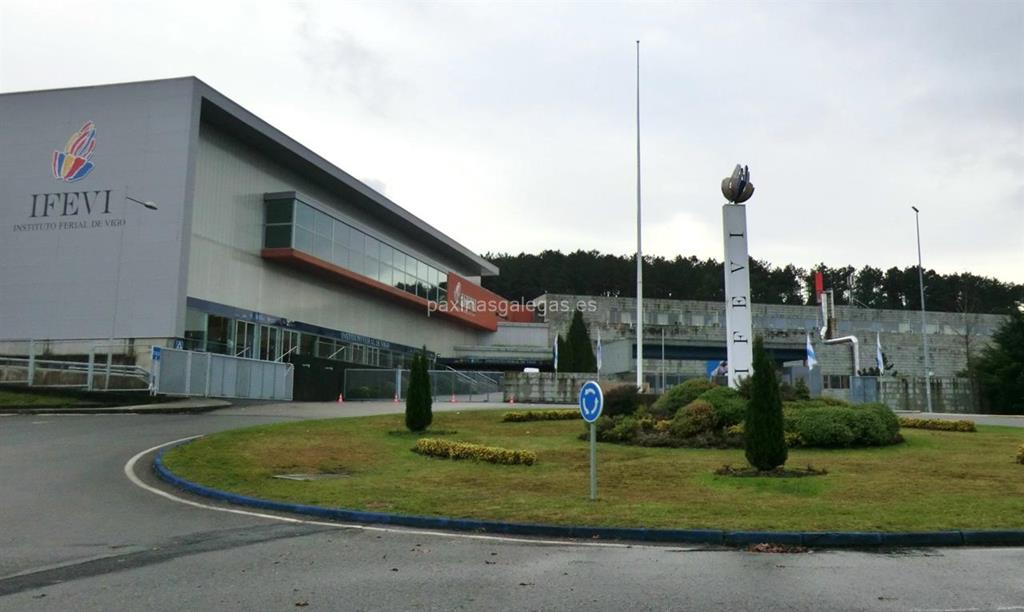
[(599, 359), (878, 354), (555, 352), (812, 360)]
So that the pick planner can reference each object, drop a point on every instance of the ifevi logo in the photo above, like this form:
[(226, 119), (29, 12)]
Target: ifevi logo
[(72, 164)]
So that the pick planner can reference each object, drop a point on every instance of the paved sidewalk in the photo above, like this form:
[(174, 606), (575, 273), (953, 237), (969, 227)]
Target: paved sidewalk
[(185, 406)]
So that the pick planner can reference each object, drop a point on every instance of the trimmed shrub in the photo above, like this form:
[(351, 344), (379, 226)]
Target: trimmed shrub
[(765, 439), (801, 390), (729, 405), (623, 399), (817, 402), (680, 395), (696, 418), (624, 429), (540, 415), (646, 400), (419, 399), (787, 392), (446, 449), (822, 427), (843, 426), (938, 424)]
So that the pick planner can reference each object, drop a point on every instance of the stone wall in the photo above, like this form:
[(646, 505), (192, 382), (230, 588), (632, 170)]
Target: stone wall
[(688, 322), (950, 394), (549, 387)]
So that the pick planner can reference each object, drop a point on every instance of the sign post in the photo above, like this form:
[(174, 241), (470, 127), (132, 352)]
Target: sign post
[(591, 401), (737, 189)]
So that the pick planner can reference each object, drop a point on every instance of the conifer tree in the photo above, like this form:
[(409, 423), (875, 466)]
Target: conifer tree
[(764, 428), (578, 339), (419, 399)]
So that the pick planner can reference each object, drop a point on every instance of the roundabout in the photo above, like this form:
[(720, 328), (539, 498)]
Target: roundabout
[(78, 534), (935, 489)]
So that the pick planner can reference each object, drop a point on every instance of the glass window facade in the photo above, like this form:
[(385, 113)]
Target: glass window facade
[(216, 334), (295, 224)]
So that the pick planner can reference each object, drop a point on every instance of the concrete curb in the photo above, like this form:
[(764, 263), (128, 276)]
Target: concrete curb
[(189, 407), (839, 539)]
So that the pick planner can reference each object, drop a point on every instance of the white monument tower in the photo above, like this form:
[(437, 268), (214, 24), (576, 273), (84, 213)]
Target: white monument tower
[(738, 335)]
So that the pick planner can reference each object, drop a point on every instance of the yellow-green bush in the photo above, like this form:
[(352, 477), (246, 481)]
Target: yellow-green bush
[(680, 395), (541, 415), (446, 449), (696, 417), (937, 424)]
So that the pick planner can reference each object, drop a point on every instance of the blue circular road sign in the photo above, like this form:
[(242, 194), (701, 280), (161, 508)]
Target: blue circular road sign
[(591, 401)]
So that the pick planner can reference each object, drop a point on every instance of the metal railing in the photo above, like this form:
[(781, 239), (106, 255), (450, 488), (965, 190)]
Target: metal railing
[(90, 374), (379, 384), (195, 373)]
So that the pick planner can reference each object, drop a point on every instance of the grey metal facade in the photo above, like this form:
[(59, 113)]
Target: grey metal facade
[(166, 226), (79, 259)]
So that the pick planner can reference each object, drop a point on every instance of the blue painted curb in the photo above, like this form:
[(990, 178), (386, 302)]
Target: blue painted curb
[(824, 539)]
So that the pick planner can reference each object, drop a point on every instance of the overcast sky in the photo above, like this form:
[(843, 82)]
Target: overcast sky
[(511, 127)]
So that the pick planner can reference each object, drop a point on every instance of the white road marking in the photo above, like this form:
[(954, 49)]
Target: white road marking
[(129, 471)]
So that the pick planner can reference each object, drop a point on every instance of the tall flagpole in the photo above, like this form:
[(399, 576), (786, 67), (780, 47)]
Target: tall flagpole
[(639, 250)]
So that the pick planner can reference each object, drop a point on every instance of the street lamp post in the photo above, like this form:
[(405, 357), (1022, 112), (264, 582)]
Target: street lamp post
[(639, 250), (924, 325)]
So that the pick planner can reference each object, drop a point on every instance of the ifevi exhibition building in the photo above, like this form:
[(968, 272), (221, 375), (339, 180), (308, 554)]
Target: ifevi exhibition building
[(163, 213)]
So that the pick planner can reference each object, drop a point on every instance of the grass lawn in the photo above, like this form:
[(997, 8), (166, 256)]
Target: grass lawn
[(36, 400), (936, 480)]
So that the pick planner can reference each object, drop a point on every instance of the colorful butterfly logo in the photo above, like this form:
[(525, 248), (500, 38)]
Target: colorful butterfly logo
[(72, 164)]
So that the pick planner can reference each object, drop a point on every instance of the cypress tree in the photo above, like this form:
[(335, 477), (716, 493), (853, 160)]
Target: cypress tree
[(419, 399), (1000, 369), (764, 432), (583, 359), (566, 362)]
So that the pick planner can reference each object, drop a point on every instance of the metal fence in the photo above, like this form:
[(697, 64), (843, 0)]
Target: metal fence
[(863, 389), (370, 384), (95, 371), (194, 373)]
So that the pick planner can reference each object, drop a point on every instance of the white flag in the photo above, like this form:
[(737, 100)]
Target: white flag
[(555, 350), (878, 354), (812, 360), (599, 350)]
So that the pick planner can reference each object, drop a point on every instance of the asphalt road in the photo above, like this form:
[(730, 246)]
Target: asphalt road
[(77, 534)]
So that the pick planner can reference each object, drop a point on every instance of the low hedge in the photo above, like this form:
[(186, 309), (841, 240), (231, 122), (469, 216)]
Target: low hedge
[(540, 415), (938, 424), (839, 426), (715, 420), (446, 449)]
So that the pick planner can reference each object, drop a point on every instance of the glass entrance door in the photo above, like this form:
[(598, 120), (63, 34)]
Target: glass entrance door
[(245, 339), (270, 343), (289, 343)]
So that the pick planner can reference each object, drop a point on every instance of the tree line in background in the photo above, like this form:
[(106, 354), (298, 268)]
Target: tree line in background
[(689, 278)]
